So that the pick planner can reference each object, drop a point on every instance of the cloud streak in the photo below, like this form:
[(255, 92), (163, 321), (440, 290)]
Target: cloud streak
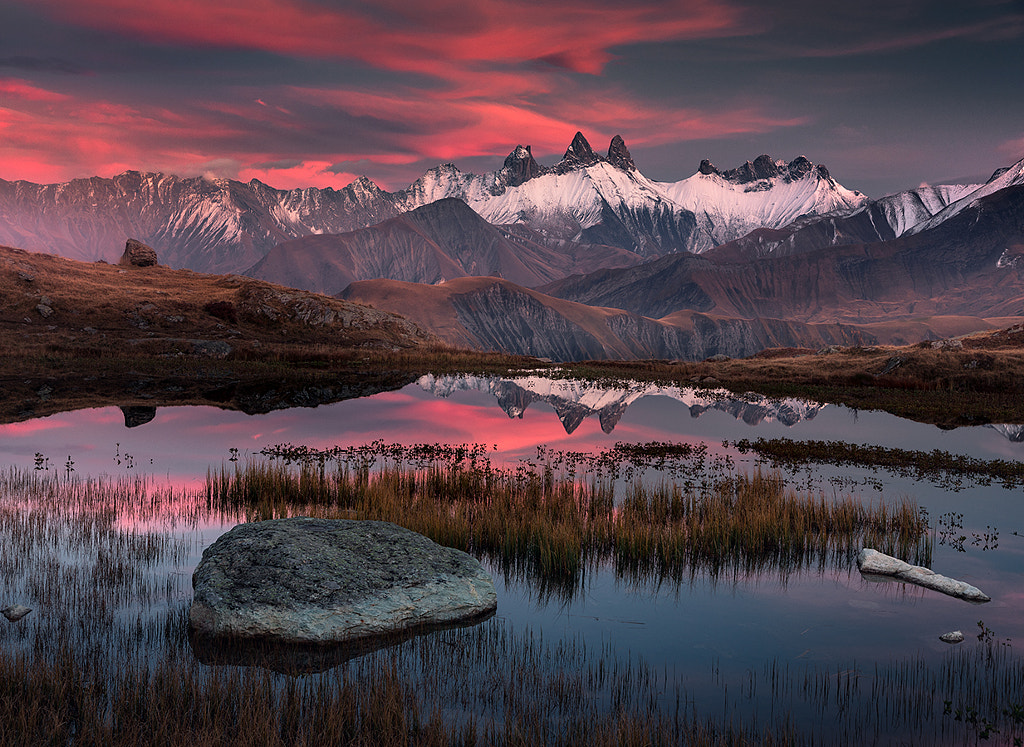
[(430, 37)]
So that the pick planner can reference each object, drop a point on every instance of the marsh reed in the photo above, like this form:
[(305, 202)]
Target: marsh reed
[(549, 527)]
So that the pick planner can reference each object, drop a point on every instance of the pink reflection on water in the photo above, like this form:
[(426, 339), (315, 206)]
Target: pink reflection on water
[(32, 427)]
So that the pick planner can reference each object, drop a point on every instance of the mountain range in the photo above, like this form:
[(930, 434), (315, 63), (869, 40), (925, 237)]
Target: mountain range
[(221, 225), (585, 258)]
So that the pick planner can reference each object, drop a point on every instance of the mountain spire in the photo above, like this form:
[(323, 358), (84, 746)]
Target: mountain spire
[(578, 155), (618, 155), (520, 166)]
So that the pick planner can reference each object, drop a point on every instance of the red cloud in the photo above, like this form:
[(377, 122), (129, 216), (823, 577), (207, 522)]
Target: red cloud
[(505, 72), (420, 37), (23, 90), (300, 175)]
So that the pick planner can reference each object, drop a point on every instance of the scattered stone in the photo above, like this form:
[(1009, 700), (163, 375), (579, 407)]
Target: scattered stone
[(873, 562), (829, 350), (891, 365), (710, 380), (955, 637), (951, 344), (15, 612), (137, 254), (305, 580), (718, 358), (26, 277), (44, 310)]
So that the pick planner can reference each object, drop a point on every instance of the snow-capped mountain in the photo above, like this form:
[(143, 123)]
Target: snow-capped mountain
[(585, 197), (763, 193), (574, 400), (226, 226), (1001, 179), (879, 220)]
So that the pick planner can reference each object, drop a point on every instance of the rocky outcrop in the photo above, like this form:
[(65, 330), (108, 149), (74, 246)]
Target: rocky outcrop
[(519, 168), (137, 254), (578, 155), (765, 167), (304, 580), (618, 154), (875, 563)]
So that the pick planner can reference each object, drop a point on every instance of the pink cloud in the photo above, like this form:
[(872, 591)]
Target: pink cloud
[(420, 37), (507, 72), (300, 175), (23, 90)]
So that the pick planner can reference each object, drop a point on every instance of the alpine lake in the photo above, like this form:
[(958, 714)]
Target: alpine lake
[(104, 514)]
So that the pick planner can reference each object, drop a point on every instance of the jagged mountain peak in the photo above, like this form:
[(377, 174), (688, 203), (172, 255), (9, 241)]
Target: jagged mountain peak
[(519, 167), (578, 155), (765, 167), (618, 154), (363, 186)]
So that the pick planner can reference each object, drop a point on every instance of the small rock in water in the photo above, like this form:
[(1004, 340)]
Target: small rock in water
[(955, 637), (15, 612)]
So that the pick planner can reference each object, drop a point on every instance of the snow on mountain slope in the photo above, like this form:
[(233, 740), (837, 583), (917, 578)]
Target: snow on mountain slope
[(905, 210), (586, 197), (1001, 179), (761, 194)]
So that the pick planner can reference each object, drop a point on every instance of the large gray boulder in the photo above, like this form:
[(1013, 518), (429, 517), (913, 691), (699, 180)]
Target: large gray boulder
[(873, 562), (304, 580)]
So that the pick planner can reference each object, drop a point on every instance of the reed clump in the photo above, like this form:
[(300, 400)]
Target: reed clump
[(941, 467), (549, 527)]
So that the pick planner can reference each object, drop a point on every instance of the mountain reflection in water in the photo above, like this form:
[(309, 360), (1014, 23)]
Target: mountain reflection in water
[(573, 400)]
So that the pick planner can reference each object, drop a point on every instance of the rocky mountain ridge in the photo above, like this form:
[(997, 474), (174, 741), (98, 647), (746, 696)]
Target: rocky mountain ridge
[(494, 314), (222, 225)]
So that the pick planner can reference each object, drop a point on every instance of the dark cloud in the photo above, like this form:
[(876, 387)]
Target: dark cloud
[(44, 65)]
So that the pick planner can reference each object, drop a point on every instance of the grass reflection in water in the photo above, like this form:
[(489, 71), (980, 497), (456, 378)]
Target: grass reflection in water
[(542, 524)]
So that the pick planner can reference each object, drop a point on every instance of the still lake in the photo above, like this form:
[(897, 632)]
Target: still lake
[(714, 638)]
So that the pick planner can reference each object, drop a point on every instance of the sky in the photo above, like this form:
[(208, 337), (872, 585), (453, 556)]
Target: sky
[(888, 94)]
